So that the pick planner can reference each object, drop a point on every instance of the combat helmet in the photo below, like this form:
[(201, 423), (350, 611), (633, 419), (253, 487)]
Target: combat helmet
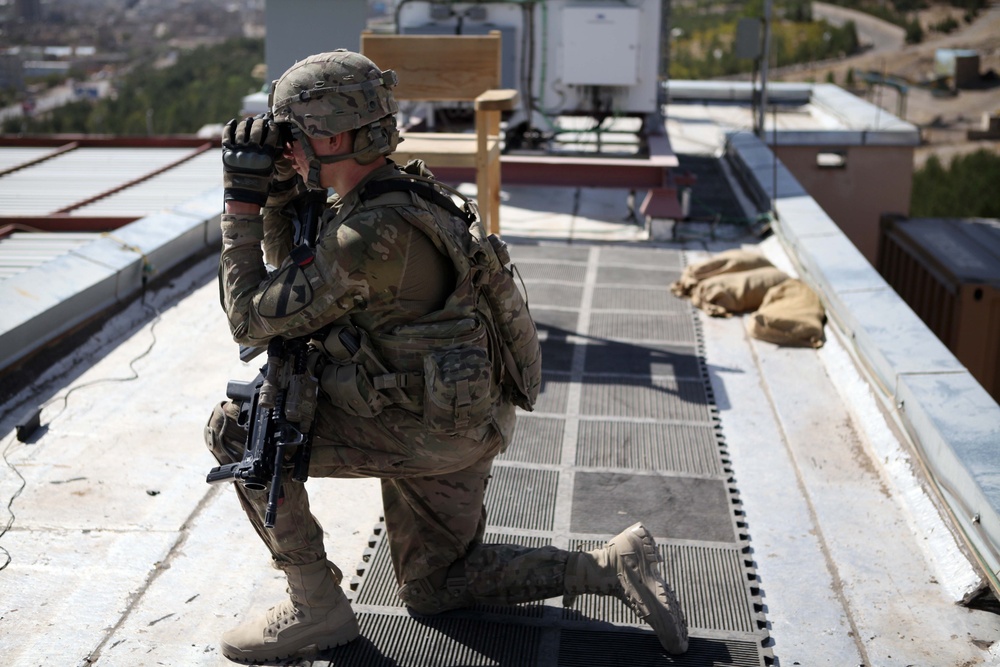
[(334, 92)]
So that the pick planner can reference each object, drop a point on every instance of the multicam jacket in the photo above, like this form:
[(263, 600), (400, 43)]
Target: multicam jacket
[(375, 272)]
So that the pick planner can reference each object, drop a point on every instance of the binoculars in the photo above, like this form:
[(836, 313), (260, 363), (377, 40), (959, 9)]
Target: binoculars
[(285, 134)]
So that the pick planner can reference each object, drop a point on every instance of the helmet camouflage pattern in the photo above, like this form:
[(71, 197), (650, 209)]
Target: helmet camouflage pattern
[(333, 92)]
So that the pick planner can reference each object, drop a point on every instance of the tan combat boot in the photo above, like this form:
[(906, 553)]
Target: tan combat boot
[(627, 569), (317, 614)]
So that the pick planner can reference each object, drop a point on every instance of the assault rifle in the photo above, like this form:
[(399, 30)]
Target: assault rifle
[(278, 406)]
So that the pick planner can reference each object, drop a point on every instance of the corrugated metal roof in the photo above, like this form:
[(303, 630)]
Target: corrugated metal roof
[(197, 175), (78, 175), (25, 250), (12, 157), (56, 180)]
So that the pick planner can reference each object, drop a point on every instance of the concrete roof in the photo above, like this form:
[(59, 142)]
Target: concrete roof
[(120, 554)]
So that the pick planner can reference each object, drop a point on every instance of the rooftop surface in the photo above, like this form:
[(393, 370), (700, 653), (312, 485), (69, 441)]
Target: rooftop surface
[(788, 494)]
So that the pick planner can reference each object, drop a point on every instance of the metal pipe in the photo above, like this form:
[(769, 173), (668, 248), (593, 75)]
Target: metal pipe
[(763, 70)]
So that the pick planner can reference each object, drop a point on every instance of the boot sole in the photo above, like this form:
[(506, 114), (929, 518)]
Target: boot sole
[(664, 615), (248, 658)]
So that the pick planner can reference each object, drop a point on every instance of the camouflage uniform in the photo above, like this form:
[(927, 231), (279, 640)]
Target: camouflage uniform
[(432, 484)]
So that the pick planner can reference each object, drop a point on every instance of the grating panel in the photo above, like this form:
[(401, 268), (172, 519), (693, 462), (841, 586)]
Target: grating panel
[(639, 299), (687, 508), (561, 271), (553, 395), (656, 398), (656, 258), (522, 497), (650, 446), (642, 359), (557, 355), (378, 578), (542, 294), (706, 580), (712, 584), (435, 641), (627, 275), (642, 326), (559, 323), (536, 440), (559, 252), (589, 648)]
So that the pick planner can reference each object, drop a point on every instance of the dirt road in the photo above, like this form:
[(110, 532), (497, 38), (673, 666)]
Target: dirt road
[(876, 34)]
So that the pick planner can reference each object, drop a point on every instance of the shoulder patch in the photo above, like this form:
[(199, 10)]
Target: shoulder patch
[(288, 293)]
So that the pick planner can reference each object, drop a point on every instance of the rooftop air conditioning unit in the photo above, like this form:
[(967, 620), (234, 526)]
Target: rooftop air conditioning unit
[(948, 272)]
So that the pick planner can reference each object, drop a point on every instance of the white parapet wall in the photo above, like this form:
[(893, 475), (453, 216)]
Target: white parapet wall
[(952, 421)]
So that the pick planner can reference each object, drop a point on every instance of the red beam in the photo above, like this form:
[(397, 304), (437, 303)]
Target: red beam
[(631, 173), (63, 148), (63, 223), (644, 172)]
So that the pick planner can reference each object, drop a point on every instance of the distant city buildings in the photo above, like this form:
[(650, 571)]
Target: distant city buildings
[(83, 37), (29, 11)]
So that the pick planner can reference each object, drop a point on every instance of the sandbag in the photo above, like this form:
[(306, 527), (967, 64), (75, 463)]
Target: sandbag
[(738, 292), (728, 261), (791, 314)]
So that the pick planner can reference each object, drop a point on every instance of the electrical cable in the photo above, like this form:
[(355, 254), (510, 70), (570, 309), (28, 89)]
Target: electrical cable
[(10, 503), (65, 402)]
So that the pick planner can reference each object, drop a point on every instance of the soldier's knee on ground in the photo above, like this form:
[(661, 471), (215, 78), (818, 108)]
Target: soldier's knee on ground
[(441, 591), (223, 434)]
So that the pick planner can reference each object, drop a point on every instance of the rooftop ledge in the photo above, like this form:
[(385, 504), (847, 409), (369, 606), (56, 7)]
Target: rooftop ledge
[(42, 304), (949, 417), (842, 118)]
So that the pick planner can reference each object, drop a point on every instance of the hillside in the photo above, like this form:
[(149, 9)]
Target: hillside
[(944, 120)]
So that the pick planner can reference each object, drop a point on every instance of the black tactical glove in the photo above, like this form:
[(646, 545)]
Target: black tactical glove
[(249, 149)]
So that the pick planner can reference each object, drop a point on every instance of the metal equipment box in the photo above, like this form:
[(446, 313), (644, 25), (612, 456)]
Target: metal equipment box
[(948, 271), (600, 45)]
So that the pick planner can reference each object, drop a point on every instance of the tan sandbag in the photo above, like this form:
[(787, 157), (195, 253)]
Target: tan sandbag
[(790, 314), (738, 292), (727, 261)]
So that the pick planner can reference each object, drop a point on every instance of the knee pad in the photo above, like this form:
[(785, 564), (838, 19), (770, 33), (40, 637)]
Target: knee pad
[(225, 438)]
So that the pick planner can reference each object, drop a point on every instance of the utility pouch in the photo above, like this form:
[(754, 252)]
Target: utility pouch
[(459, 390), (349, 387), (345, 379)]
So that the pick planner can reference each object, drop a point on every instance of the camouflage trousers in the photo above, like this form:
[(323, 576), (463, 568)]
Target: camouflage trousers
[(432, 496)]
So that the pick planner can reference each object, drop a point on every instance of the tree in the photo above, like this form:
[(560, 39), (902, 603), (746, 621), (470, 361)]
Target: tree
[(206, 85), (914, 33), (963, 189)]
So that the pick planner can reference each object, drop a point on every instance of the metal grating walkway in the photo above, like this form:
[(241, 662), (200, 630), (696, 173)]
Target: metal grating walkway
[(625, 430)]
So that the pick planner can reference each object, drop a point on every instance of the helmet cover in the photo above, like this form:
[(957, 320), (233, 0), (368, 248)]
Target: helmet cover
[(333, 92)]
